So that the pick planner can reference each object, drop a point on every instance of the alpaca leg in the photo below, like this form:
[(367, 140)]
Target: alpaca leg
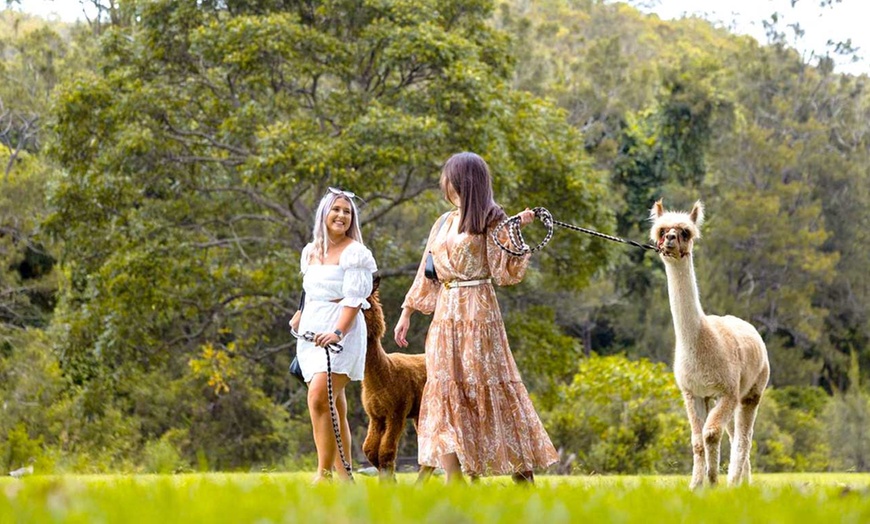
[(425, 472), (372, 443), (720, 415), (697, 411), (524, 478), (744, 424), (389, 447), (734, 463)]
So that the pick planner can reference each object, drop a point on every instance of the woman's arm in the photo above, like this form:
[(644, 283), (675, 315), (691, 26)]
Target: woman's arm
[(507, 269), (400, 333), (345, 321)]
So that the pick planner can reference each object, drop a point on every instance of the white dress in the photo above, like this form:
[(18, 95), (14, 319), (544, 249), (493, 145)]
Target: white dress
[(351, 282)]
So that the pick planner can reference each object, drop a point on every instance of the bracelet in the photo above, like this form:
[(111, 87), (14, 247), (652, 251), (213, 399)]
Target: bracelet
[(339, 333)]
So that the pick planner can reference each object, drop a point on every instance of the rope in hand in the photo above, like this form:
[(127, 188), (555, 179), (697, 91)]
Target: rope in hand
[(515, 234), (334, 348)]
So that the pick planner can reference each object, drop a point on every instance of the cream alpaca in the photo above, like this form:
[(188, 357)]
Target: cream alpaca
[(720, 363)]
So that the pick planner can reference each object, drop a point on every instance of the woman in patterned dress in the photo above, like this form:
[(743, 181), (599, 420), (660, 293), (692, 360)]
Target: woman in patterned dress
[(476, 416), (337, 280)]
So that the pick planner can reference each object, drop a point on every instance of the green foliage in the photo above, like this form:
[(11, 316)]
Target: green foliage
[(669, 143), (792, 417), (847, 419), (786, 150), (161, 456), (790, 433), (194, 138), (194, 154), (94, 434), (545, 357), (36, 56), (30, 384), (847, 423), (621, 416), (19, 450), (685, 111), (238, 429), (28, 281), (752, 284)]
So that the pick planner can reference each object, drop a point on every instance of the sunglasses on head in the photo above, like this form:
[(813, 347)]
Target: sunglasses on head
[(336, 191)]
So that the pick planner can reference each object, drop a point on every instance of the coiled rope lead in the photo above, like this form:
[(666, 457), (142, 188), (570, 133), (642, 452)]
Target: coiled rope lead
[(515, 234), (333, 348)]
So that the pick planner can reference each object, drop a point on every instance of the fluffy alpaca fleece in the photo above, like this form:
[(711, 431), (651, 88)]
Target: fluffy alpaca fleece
[(391, 391), (720, 363)]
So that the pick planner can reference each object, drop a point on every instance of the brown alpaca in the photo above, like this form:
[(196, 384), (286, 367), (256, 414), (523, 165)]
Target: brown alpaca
[(391, 391), (716, 359)]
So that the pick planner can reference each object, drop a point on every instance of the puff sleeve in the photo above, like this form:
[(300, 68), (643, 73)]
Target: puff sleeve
[(359, 266), (506, 269)]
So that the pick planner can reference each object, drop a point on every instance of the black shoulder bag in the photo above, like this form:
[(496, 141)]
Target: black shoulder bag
[(429, 270), (295, 368)]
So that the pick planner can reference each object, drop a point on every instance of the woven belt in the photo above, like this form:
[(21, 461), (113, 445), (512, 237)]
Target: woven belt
[(466, 283)]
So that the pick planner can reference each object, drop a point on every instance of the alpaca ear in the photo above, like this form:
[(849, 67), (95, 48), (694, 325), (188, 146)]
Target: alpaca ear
[(657, 210), (376, 282), (697, 214)]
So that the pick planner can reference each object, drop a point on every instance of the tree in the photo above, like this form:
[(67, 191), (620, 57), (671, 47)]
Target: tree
[(34, 60), (194, 155), (847, 417), (787, 159)]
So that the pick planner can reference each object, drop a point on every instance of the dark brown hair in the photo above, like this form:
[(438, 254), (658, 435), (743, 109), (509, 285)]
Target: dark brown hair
[(469, 176)]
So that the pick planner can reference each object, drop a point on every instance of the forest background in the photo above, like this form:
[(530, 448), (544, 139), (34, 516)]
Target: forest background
[(160, 164)]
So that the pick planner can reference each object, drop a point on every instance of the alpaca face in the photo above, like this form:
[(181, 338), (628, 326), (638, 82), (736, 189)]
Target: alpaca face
[(674, 232)]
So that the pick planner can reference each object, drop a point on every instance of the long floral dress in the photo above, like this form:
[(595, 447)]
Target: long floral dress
[(475, 403)]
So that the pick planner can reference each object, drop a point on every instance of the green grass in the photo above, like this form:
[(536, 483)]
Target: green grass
[(288, 497)]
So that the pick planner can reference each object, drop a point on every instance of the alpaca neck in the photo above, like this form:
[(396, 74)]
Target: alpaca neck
[(683, 295), (376, 357)]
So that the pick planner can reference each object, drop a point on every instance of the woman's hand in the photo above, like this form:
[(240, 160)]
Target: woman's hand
[(401, 331), (526, 217), (326, 338)]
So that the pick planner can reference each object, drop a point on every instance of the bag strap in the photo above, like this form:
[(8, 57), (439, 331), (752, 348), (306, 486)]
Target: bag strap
[(302, 300)]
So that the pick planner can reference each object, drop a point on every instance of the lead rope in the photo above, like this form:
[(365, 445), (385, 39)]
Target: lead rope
[(334, 348), (515, 234)]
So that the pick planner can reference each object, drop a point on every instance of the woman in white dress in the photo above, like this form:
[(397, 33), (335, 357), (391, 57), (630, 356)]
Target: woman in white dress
[(337, 278)]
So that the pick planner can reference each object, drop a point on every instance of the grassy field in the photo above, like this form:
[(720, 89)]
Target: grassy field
[(288, 497)]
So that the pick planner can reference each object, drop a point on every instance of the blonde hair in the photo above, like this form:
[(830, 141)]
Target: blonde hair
[(320, 233)]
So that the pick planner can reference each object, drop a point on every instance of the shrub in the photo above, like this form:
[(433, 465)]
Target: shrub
[(621, 416)]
